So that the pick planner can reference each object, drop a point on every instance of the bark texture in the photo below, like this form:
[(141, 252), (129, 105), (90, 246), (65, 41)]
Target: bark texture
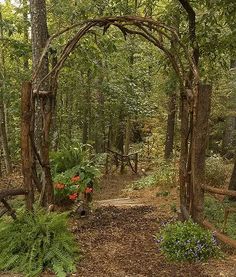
[(170, 131), (44, 107)]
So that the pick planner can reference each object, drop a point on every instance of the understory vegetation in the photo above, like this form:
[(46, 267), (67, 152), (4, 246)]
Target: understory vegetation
[(36, 242), (214, 212), (187, 241), (165, 176), (96, 88)]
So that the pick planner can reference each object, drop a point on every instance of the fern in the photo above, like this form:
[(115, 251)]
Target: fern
[(37, 241)]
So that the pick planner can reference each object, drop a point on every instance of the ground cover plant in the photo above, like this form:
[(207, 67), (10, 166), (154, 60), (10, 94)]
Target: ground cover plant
[(35, 242), (164, 176), (214, 212), (187, 241)]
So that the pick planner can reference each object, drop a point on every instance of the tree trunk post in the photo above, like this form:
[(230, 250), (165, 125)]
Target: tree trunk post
[(184, 116), (26, 147), (199, 144), (170, 130)]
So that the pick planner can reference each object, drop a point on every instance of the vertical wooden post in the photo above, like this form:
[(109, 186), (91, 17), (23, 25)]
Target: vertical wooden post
[(184, 116), (136, 162), (200, 133), (26, 148)]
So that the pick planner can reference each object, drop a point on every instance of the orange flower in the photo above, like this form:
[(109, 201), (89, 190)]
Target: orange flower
[(59, 186), (88, 190), (73, 196), (75, 178)]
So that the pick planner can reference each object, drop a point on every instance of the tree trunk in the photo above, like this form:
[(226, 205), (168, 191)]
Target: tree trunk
[(3, 135), (184, 117), (45, 104), (127, 135), (228, 135), (87, 109), (26, 31), (169, 143), (199, 144), (232, 183), (3, 131), (26, 146)]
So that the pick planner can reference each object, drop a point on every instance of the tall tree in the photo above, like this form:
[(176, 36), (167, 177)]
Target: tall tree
[(44, 102), (3, 131)]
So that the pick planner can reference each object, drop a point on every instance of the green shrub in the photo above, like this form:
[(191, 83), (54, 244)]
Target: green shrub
[(165, 176), (187, 242), (70, 157), (214, 212), (35, 242), (67, 187), (216, 171)]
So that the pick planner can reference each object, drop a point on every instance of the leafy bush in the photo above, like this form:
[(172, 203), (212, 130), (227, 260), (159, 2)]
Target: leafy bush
[(216, 171), (72, 182), (214, 212), (74, 172), (35, 242), (70, 157), (187, 242), (165, 176)]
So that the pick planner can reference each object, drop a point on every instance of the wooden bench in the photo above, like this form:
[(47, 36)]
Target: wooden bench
[(4, 195)]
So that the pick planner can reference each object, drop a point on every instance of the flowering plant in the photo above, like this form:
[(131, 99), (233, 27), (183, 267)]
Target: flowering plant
[(69, 185), (183, 241)]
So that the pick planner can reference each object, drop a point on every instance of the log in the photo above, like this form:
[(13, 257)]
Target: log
[(219, 191), (11, 192), (223, 238)]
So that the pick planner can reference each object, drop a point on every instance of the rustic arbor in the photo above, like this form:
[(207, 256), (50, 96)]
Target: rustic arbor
[(195, 103)]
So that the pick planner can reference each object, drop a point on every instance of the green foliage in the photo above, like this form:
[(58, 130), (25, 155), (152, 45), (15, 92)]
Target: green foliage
[(187, 242), (214, 212), (65, 186), (164, 176), (37, 241), (216, 171), (69, 157), (73, 172)]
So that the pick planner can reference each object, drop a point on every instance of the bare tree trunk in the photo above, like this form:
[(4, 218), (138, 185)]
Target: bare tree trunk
[(26, 145), (127, 135), (26, 30), (200, 134), (3, 131), (87, 109), (228, 135), (45, 104), (232, 183), (184, 117), (169, 143), (3, 134)]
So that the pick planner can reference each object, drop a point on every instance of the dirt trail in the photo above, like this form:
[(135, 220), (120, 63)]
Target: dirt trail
[(119, 241)]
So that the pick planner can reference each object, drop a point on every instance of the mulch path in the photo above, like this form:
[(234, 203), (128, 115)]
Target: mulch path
[(120, 242)]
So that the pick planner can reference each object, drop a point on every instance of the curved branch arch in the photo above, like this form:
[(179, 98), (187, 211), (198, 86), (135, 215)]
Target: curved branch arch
[(156, 32)]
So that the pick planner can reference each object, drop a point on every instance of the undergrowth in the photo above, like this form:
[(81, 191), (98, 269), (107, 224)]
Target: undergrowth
[(164, 176), (214, 212), (187, 241), (217, 171), (35, 242)]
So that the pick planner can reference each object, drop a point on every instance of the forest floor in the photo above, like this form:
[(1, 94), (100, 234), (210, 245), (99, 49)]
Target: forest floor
[(117, 238)]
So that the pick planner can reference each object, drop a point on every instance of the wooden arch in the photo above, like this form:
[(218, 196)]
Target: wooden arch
[(194, 111)]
